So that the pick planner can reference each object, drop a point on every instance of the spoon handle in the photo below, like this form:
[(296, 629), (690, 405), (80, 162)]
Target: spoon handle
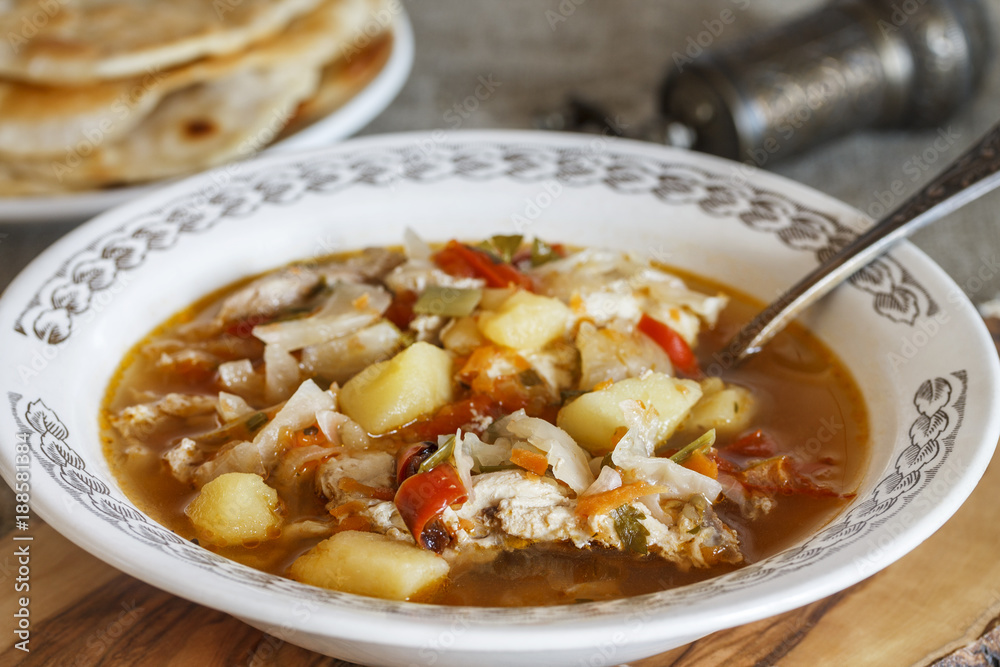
[(969, 177)]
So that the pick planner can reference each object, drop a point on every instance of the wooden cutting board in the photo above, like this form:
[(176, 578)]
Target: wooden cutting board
[(939, 598)]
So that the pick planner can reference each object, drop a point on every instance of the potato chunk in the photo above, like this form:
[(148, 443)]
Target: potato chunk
[(388, 394), (526, 321), (370, 564), (235, 508), (727, 409), (462, 336), (593, 418)]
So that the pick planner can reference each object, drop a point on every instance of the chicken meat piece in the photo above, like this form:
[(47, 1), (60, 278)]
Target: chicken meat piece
[(512, 507), (370, 470), (415, 275), (516, 504), (370, 264), (373, 469), (271, 294), (143, 420)]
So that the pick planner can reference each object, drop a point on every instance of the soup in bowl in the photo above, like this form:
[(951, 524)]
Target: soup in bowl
[(500, 423), (532, 470)]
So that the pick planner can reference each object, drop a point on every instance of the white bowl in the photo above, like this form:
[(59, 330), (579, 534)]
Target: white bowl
[(916, 346)]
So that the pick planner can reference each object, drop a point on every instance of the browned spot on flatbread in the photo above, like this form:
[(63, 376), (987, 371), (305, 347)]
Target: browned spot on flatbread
[(198, 128)]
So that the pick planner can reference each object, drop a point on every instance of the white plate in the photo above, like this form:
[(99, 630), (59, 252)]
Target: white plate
[(919, 351), (340, 124)]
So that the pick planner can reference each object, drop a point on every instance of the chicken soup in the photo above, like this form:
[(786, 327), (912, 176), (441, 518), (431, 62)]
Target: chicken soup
[(496, 424)]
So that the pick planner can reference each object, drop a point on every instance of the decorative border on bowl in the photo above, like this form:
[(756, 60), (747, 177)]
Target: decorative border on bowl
[(940, 407), (69, 293)]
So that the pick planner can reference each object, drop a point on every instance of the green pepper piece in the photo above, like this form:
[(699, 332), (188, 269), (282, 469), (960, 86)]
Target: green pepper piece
[(705, 441), (504, 247), (542, 253), (440, 456), (448, 301)]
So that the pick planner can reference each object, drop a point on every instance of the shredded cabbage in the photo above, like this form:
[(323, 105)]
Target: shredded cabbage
[(281, 373), (352, 306), (342, 358), (416, 247), (299, 412), (609, 480), (611, 354), (634, 454), (464, 445), (232, 407), (613, 286), (329, 423), (491, 455), (570, 463)]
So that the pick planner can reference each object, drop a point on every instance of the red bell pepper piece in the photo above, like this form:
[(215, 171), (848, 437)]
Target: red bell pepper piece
[(783, 475), (408, 459), (456, 415), (424, 496), (754, 445), (677, 349), (458, 259), (400, 310)]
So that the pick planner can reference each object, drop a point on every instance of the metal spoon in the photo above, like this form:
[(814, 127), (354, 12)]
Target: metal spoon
[(969, 177)]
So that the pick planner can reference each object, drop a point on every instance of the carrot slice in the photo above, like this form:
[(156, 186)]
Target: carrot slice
[(700, 463), (605, 501), (350, 507), (355, 522), (477, 371), (530, 461)]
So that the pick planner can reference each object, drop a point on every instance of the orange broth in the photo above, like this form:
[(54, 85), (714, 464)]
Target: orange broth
[(807, 401)]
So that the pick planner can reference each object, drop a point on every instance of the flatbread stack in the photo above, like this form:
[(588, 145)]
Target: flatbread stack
[(101, 93)]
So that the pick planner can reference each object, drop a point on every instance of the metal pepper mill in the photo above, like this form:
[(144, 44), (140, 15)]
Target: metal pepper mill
[(853, 64)]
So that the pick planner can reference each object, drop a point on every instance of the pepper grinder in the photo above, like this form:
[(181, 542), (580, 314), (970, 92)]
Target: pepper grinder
[(853, 64)]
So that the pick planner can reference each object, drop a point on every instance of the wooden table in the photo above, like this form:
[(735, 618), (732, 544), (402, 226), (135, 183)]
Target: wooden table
[(919, 611)]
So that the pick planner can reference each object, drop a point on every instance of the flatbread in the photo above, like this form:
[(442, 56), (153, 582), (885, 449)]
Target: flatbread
[(224, 118), (42, 121), (340, 81), (50, 122), (192, 129), (76, 41), (15, 183)]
